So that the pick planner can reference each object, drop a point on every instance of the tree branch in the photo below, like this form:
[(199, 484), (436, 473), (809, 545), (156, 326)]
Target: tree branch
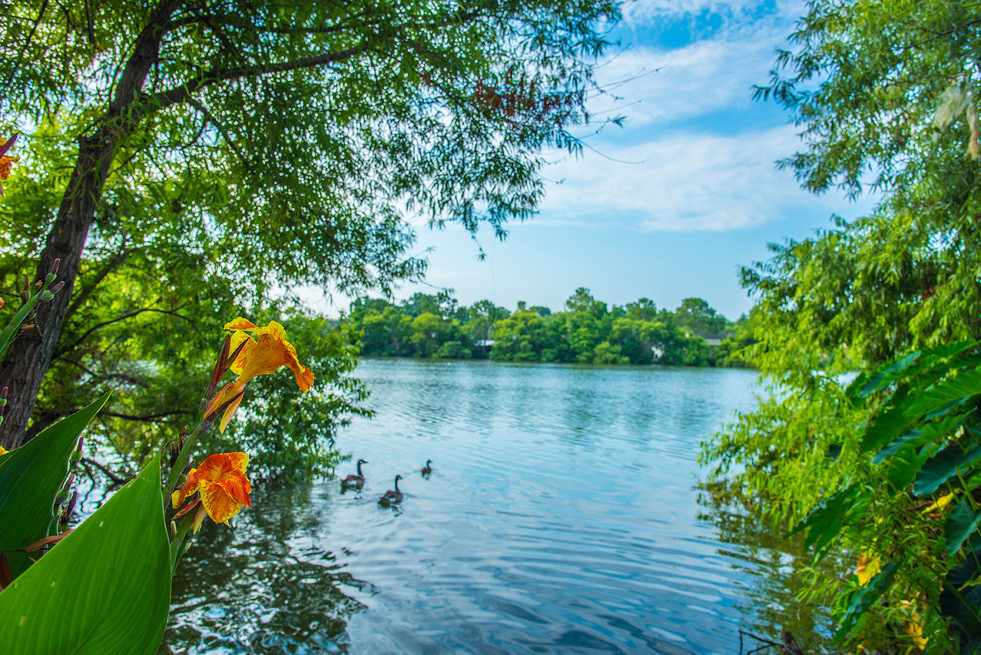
[(113, 263), (148, 418), (112, 476), (124, 317), (163, 99)]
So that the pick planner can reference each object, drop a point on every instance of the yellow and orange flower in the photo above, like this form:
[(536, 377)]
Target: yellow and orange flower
[(266, 353), (6, 160), (223, 487)]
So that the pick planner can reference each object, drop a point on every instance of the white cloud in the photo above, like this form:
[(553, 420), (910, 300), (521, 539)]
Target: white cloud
[(654, 12), (705, 77), (685, 183), (715, 71)]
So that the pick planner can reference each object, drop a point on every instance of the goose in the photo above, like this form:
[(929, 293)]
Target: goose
[(392, 496), (355, 481), (427, 469)]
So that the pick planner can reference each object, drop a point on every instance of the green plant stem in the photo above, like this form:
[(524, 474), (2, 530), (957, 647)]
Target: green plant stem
[(182, 459), (7, 336), (967, 492), (177, 545)]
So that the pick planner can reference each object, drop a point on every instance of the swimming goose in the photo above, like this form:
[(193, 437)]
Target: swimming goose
[(354, 481), (427, 469), (392, 497)]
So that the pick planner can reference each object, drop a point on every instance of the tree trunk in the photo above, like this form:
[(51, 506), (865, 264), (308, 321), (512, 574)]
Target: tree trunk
[(30, 354)]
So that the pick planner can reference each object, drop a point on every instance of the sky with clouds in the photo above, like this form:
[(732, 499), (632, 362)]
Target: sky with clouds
[(673, 203)]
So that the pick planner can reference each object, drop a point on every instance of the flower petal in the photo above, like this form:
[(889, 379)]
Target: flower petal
[(219, 505), (240, 324), (199, 518), (187, 508), (243, 354), (230, 411), (193, 482)]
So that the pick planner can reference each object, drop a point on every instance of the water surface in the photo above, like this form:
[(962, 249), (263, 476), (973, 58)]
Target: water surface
[(560, 517)]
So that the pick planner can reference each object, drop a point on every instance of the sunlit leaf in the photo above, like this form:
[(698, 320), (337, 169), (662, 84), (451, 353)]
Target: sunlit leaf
[(104, 589), (960, 524), (30, 476)]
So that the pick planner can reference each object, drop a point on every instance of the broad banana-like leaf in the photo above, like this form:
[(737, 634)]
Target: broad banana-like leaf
[(30, 477), (104, 589)]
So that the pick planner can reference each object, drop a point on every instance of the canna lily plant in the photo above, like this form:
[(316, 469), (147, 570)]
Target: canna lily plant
[(266, 353), (122, 557), (103, 587)]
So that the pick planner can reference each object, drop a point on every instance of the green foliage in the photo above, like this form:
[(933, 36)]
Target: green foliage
[(104, 589), (588, 332), (885, 94), (229, 154), (30, 478), (939, 389)]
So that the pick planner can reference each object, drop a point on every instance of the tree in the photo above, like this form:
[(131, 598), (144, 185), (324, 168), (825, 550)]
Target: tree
[(696, 314), (276, 147), (886, 96)]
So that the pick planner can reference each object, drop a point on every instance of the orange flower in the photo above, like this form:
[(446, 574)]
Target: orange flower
[(223, 487), (6, 161), (266, 353)]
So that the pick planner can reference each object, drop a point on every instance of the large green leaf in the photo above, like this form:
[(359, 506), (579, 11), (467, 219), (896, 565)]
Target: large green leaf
[(104, 589), (943, 466), (940, 398), (960, 599), (30, 477), (960, 524), (826, 519)]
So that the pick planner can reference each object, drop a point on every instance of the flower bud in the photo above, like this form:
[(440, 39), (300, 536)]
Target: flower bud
[(49, 278)]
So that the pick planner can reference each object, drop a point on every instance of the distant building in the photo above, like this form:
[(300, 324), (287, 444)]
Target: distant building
[(714, 340)]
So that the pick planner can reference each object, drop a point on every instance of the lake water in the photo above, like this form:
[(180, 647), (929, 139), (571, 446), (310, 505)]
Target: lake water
[(561, 517)]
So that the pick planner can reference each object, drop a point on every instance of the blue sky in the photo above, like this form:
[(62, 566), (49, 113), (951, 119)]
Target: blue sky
[(672, 204)]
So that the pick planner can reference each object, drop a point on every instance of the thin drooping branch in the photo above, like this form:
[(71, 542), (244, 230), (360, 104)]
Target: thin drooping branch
[(112, 376), (85, 335), (147, 418), (118, 258), (180, 94)]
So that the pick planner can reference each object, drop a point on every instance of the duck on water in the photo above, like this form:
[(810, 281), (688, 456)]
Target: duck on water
[(392, 496), (354, 481)]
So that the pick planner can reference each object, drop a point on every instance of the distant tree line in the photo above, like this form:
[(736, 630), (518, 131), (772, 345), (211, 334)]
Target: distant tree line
[(587, 332)]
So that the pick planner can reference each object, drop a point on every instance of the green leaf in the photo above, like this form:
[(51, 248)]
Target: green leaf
[(30, 477), (862, 387), (944, 395), (825, 520), (960, 524), (930, 433), (943, 466), (864, 598), (906, 464), (104, 589)]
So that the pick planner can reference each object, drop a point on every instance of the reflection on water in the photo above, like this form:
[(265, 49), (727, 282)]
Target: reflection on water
[(560, 517)]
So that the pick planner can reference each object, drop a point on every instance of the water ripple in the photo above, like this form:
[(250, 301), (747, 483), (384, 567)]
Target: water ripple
[(559, 518)]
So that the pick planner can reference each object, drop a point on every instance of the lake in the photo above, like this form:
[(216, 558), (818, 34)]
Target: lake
[(561, 516)]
